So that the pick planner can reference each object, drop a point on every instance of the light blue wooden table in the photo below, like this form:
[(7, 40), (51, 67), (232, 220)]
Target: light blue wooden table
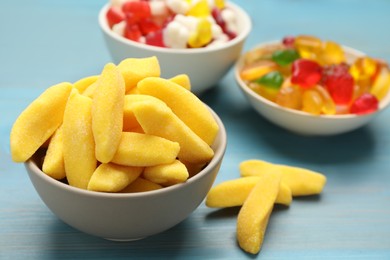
[(45, 42)]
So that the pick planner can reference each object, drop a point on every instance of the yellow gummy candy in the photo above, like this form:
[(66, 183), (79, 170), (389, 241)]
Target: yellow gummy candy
[(136, 69), (38, 122), (144, 150), (130, 123), (109, 177), (233, 193), (141, 185), (107, 112), (182, 80), (156, 118), (79, 145), (53, 164), (301, 181), (82, 84), (254, 214), (167, 174), (188, 107)]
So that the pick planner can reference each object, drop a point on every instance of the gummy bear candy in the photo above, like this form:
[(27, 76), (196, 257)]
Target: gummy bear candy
[(285, 57), (257, 70), (328, 107), (273, 79), (289, 96), (381, 85), (306, 73), (339, 83), (308, 46), (362, 70), (289, 41), (312, 102), (147, 26), (332, 53), (364, 104)]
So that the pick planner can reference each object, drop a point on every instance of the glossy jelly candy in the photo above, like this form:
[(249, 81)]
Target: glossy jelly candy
[(364, 104), (290, 96), (285, 57), (273, 79), (289, 41), (132, 32), (257, 70), (306, 73), (308, 46), (381, 84), (332, 53), (339, 83), (328, 106), (312, 102)]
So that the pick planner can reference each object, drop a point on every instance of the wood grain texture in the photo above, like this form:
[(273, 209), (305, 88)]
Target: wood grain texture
[(54, 41)]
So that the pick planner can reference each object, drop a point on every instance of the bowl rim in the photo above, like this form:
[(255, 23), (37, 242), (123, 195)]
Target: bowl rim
[(218, 156), (385, 102), (241, 13)]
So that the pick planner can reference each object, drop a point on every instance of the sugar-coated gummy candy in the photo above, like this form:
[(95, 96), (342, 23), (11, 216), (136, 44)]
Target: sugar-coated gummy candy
[(79, 160), (157, 119), (253, 216), (110, 177), (185, 104), (234, 192), (107, 112), (38, 121), (167, 174), (145, 150)]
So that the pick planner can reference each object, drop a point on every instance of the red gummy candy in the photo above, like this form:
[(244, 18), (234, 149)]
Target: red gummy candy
[(139, 9), (114, 15), (365, 104), (155, 39), (132, 32), (289, 41), (339, 83), (306, 73)]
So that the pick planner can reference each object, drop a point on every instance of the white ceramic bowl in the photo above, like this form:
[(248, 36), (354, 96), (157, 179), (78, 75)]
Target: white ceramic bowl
[(128, 216), (204, 66), (301, 122)]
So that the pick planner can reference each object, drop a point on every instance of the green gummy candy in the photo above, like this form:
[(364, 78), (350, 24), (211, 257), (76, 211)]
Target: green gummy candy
[(285, 57), (273, 79)]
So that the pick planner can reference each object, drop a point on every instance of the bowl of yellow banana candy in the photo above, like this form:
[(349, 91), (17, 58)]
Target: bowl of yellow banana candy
[(122, 155), (311, 86)]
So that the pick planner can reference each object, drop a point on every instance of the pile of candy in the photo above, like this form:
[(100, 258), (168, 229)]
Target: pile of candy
[(311, 75), (173, 23)]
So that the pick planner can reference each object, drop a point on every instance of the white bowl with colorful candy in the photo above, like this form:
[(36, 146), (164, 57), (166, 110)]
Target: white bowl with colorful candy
[(202, 39), (115, 165), (313, 87)]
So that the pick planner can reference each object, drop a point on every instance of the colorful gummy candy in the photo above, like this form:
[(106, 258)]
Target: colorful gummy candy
[(311, 75), (173, 23)]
